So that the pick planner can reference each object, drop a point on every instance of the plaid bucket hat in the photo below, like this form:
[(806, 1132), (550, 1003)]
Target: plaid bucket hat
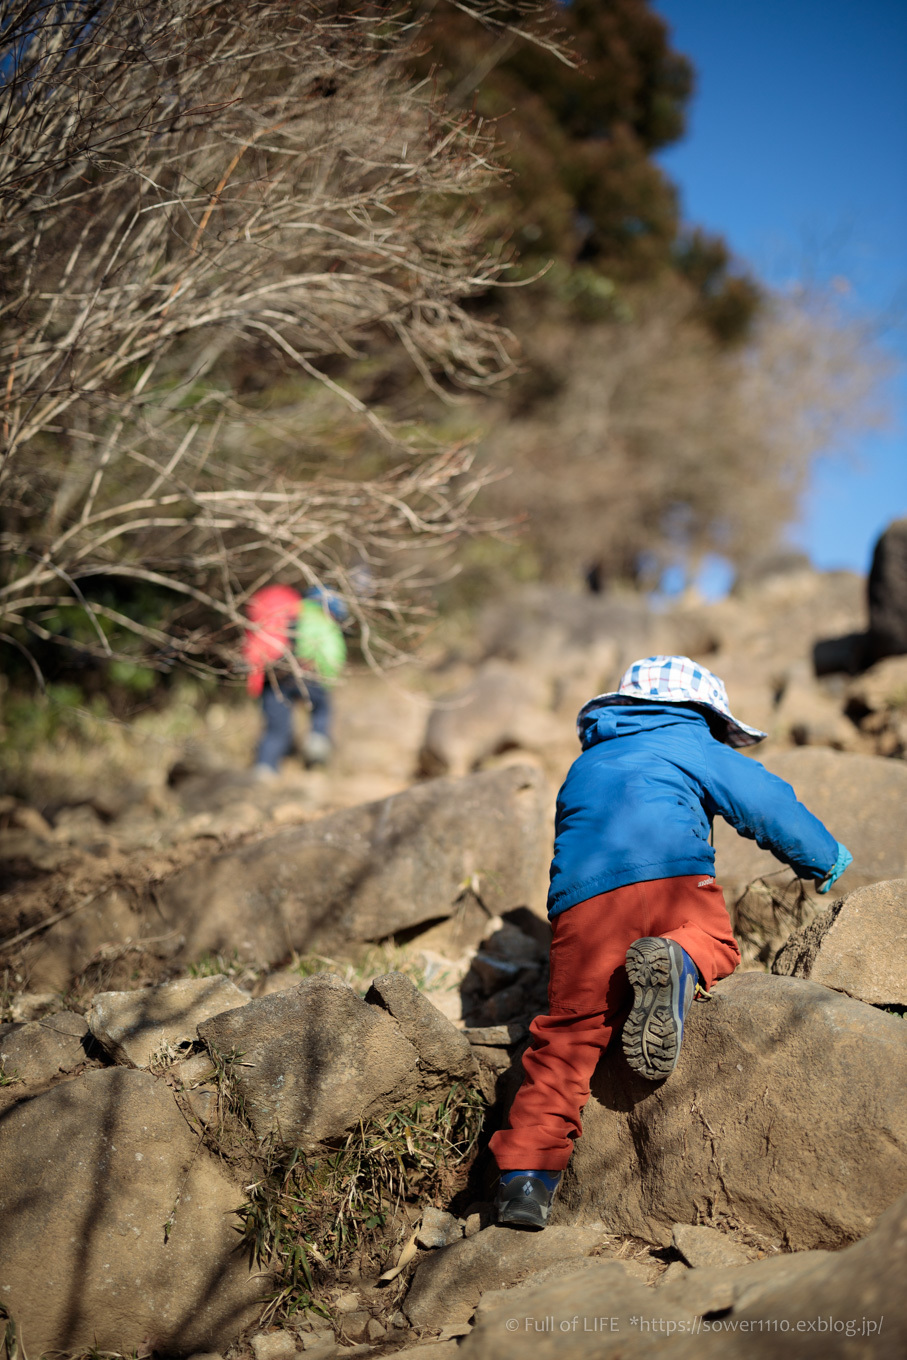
[(676, 680)]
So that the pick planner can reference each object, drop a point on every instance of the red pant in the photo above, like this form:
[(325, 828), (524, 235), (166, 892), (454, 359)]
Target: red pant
[(589, 996)]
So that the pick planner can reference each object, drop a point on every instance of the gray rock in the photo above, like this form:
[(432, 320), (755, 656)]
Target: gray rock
[(40, 1050), (437, 1228), (712, 1289), (597, 1310), (675, 1271), (447, 1286), (519, 1299), (135, 1026), (495, 973), (273, 1346), (118, 1228), (495, 1036), (192, 1071), (370, 871), (883, 687), (354, 1326), (509, 942), (848, 1304), (859, 798), (502, 707), (315, 1060), (787, 1104), (580, 1313), (858, 945), (700, 1246), (444, 1051)]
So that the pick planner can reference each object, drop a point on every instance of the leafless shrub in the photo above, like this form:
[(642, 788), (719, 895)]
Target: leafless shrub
[(188, 188)]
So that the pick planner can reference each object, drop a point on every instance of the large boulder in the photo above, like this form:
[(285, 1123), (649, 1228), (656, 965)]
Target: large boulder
[(39, 1050), (859, 798), (369, 872), (785, 1114), (445, 1052), (134, 1027), (118, 1232), (314, 1061), (877, 702), (763, 635), (448, 1284), (503, 707), (847, 1305), (858, 945)]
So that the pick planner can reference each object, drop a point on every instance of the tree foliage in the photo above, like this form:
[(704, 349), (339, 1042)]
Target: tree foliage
[(651, 445)]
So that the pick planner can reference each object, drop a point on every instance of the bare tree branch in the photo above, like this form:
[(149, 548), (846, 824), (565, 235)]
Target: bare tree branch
[(185, 188)]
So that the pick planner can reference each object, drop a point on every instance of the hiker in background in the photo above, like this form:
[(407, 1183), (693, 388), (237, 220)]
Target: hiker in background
[(639, 924), (308, 627)]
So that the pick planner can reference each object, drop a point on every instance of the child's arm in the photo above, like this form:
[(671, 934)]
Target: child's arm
[(764, 808)]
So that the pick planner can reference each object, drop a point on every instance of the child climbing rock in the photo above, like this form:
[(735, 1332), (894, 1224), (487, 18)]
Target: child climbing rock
[(638, 921)]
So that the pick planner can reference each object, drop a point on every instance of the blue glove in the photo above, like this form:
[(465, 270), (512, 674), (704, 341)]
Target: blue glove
[(837, 869)]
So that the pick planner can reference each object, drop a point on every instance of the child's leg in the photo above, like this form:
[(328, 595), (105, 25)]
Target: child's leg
[(588, 995), (320, 700), (277, 738), (691, 911)]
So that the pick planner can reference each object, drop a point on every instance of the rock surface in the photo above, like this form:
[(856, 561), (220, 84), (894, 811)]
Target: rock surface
[(445, 1053), (812, 1306), (858, 797), (315, 1060), (858, 945), (39, 1050), (700, 1246), (785, 1114), (447, 1286), (118, 1230), (438, 1228), (501, 708), (134, 1027), (370, 871)]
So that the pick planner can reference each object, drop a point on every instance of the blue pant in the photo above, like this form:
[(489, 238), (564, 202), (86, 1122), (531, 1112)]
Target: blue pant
[(277, 705)]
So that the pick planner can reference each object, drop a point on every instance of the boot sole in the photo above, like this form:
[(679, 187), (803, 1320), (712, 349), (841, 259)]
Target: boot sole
[(517, 1215), (651, 1038)]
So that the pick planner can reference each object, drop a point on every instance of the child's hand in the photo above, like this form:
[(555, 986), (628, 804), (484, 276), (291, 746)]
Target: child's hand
[(837, 869)]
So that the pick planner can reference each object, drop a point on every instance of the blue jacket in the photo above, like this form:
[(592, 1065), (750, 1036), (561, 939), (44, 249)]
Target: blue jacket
[(638, 804)]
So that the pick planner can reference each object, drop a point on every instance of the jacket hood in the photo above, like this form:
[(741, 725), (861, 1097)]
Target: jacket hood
[(609, 721)]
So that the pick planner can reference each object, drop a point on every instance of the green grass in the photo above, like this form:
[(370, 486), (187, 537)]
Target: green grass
[(307, 1218), (8, 1078), (216, 965)]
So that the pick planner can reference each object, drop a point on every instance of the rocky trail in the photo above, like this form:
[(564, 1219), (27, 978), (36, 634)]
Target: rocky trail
[(254, 1036)]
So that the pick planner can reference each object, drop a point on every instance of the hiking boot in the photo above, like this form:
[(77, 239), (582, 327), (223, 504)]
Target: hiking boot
[(316, 749), (524, 1197), (664, 980)]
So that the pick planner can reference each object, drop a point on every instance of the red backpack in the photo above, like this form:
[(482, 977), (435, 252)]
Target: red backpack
[(272, 609)]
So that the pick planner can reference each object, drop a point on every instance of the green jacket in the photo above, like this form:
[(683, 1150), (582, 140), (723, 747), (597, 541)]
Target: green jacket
[(320, 644)]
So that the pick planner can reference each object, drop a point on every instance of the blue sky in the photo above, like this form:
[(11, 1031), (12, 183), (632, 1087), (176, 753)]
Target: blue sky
[(796, 151)]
